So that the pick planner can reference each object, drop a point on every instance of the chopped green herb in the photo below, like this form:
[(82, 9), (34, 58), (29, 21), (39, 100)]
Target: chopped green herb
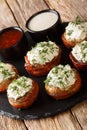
[(47, 80), (60, 76), (69, 32), (6, 73), (77, 21)]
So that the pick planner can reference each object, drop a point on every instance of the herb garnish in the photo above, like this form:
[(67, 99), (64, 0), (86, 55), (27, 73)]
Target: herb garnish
[(77, 21), (69, 32)]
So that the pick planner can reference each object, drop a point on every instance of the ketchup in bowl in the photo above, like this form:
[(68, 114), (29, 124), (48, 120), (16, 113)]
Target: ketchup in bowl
[(9, 38), (13, 43)]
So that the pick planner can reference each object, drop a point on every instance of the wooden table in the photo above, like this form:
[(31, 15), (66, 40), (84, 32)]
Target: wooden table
[(16, 12)]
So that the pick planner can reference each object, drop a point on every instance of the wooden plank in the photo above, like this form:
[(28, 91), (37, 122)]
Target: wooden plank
[(6, 17), (63, 121), (11, 124), (14, 7), (66, 121), (23, 9), (69, 9), (80, 112), (29, 7)]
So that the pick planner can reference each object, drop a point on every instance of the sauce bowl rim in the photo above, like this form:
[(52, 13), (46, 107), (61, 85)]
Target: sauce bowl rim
[(42, 11), (12, 28)]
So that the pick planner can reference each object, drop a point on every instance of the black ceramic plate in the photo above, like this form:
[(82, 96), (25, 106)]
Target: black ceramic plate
[(44, 106)]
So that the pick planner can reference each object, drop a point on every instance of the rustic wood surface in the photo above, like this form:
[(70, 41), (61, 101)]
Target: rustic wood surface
[(16, 12)]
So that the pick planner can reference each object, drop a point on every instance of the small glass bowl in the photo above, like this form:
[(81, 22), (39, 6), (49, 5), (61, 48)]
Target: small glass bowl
[(52, 33), (13, 43)]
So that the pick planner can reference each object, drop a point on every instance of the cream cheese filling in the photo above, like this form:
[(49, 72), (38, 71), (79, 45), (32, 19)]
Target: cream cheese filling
[(76, 31), (6, 71), (43, 53), (61, 76), (19, 87), (79, 51)]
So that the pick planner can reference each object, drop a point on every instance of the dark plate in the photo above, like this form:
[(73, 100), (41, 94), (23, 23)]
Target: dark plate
[(44, 106)]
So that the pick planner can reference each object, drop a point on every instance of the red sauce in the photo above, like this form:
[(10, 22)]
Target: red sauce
[(9, 38)]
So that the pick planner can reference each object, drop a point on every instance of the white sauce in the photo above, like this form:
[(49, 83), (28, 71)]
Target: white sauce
[(79, 51), (76, 31), (61, 76), (6, 71), (19, 87), (42, 53), (43, 21)]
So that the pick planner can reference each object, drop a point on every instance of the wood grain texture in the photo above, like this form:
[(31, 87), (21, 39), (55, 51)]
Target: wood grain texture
[(64, 121), (29, 7), (6, 17), (69, 9), (11, 124), (16, 12), (67, 121), (80, 112)]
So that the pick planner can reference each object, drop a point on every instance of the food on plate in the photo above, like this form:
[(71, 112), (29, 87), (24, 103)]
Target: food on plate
[(75, 32), (78, 55), (8, 72), (42, 58), (62, 82), (22, 92)]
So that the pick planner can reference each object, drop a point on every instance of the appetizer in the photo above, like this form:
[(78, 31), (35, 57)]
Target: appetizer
[(75, 32), (22, 92), (78, 55), (62, 82), (42, 58), (8, 72)]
